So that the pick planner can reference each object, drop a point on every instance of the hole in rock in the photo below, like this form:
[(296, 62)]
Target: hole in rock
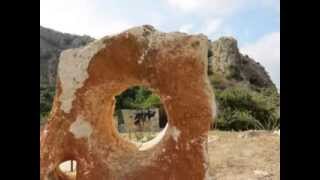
[(139, 115), (69, 168)]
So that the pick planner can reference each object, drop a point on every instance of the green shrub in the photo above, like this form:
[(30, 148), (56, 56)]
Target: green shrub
[(219, 81), (46, 98), (137, 97), (241, 108)]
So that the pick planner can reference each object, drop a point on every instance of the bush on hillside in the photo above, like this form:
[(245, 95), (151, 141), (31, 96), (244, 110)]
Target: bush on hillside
[(46, 99), (241, 108)]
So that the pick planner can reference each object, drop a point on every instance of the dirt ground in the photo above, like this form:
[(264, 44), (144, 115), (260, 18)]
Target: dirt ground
[(249, 155)]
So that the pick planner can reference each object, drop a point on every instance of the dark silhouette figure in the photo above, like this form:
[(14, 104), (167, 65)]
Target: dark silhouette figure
[(142, 116)]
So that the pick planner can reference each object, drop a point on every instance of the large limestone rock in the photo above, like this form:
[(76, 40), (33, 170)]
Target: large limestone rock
[(81, 127)]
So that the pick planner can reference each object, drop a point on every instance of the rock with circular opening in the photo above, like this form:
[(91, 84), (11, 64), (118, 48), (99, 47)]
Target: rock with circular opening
[(81, 125)]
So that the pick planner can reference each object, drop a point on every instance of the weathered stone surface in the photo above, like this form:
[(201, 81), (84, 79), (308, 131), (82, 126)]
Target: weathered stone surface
[(81, 127)]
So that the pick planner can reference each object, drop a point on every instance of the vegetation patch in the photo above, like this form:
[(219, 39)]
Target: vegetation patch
[(241, 108)]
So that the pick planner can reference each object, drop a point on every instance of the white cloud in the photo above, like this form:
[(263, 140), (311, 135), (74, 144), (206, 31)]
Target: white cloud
[(221, 7), (266, 50), (185, 5), (212, 26), (156, 19), (109, 27), (186, 28), (209, 27), (79, 17), (271, 3), (215, 6)]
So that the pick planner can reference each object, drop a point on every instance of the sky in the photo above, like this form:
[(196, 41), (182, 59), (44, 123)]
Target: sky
[(254, 23)]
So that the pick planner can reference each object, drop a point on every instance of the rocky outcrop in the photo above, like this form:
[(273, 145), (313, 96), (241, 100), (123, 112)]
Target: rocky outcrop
[(52, 43), (226, 63), (81, 126), (225, 60)]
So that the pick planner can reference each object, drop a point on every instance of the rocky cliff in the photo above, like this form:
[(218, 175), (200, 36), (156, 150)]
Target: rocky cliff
[(51, 45), (228, 66)]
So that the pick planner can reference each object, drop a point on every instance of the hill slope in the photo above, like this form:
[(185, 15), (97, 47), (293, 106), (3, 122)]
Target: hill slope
[(228, 66), (225, 60), (239, 81)]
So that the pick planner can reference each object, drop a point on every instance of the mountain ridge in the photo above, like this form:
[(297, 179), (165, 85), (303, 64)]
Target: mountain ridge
[(226, 64)]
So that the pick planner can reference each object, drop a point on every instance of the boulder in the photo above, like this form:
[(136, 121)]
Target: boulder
[(81, 126)]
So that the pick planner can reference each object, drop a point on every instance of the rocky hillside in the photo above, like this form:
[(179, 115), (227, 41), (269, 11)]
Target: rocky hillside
[(246, 96), (51, 45), (227, 66)]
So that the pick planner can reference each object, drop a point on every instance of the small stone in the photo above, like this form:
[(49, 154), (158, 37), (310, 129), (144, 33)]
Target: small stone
[(261, 173), (277, 132), (213, 138)]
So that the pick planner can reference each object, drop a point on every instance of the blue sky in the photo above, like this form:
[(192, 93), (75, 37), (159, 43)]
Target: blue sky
[(254, 23)]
